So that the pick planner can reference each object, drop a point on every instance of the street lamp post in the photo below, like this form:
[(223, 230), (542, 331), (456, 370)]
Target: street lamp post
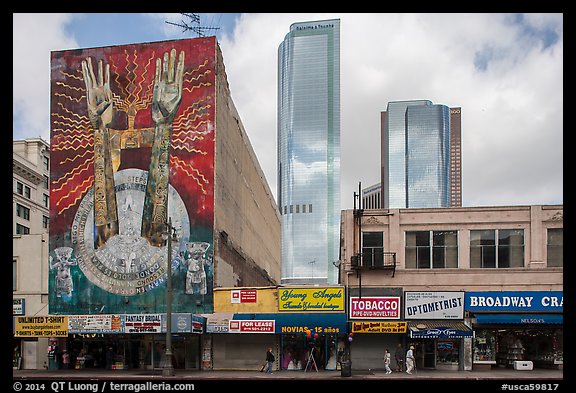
[(169, 235)]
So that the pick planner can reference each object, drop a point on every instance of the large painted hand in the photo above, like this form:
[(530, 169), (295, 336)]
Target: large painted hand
[(98, 94), (167, 88)]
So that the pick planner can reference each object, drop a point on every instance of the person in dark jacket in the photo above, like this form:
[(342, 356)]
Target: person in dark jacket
[(398, 356), (269, 360)]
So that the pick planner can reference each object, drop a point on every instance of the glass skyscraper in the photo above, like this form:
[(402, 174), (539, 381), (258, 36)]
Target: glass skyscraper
[(309, 151), (428, 156), (420, 155)]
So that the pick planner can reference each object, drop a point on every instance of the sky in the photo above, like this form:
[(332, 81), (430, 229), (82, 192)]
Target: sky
[(504, 70)]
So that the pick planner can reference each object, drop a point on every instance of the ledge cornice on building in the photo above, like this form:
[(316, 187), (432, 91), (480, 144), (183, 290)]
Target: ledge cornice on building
[(28, 172)]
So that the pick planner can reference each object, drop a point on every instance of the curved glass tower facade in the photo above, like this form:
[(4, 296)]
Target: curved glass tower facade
[(309, 151), (428, 156), (420, 155)]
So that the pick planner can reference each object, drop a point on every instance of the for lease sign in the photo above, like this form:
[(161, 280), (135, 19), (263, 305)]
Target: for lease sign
[(251, 326), (375, 307)]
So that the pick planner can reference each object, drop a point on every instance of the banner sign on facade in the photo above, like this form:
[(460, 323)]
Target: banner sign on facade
[(379, 327), (440, 332), (198, 323), (142, 323), (218, 322), (526, 301), (243, 296), (18, 306), (181, 323), (433, 305), (46, 326), (533, 319), (311, 299), (375, 307), (251, 326), (94, 324), (284, 323)]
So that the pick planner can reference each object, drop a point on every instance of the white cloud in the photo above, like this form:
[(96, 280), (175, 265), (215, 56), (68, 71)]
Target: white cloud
[(511, 111), (34, 36), (505, 71)]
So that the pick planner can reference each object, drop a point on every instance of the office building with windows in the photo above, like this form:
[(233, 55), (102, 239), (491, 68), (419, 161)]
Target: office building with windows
[(470, 287), (30, 220), (420, 156), (309, 151)]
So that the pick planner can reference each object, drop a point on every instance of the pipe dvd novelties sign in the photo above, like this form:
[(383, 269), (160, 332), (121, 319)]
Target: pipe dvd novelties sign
[(375, 307)]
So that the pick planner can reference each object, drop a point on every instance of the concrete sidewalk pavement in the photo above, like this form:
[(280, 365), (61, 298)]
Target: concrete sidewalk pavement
[(137, 374)]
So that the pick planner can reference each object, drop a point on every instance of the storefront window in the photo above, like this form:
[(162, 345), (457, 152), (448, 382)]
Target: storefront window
[(447, 352), (484, 346), (542, 346), (300, 352)]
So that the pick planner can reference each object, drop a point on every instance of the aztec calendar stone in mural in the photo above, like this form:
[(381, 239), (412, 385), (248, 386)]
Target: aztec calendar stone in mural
[(126, 264)]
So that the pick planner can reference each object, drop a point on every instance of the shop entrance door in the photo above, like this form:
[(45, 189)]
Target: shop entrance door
[(29, 355), (429, 354)]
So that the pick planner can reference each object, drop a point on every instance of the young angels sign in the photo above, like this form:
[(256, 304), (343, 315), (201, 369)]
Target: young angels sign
[(375, 307)]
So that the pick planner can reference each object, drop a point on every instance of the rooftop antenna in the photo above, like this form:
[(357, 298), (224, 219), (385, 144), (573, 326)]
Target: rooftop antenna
[(194, 19)]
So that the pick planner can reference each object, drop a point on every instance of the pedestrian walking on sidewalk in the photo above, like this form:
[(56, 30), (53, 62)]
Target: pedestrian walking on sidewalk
[(410, 360), (398, 356), (269, 360), (387, 361)]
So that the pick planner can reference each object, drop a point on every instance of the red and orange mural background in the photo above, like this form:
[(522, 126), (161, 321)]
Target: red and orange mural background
[(93, 280)]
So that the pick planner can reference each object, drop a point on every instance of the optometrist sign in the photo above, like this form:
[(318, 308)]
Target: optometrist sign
[(375, 307), (433, 305)]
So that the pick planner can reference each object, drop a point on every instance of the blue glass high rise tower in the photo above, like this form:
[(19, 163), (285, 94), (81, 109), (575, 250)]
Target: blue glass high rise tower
[(309, 151), (420, 155), (428, 156)]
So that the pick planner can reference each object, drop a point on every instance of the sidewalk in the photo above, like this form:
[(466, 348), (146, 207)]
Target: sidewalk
[(95, 374)]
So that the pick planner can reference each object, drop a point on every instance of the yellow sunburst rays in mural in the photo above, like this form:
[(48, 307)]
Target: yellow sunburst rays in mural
[(194, 173), (192, 125), (72, 134), (195, 79)]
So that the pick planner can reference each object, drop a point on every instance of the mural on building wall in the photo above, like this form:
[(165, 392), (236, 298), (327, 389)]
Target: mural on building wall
[(132, 146)]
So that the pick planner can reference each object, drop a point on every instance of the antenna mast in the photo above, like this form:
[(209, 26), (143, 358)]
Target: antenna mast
[(194, 19)]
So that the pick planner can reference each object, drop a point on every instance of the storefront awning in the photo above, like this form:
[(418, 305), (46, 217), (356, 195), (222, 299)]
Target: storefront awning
[(532, 319), (439, 329)]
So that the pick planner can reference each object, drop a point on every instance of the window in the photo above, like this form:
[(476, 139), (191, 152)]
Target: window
[(45, 222), (510, 248), (46, 163), (22, 189), (497, 248), (22, 230), (555, 247), (372, 249), (22, 211), (46, 182), (46, 200), (14, 276), (431, 249)]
